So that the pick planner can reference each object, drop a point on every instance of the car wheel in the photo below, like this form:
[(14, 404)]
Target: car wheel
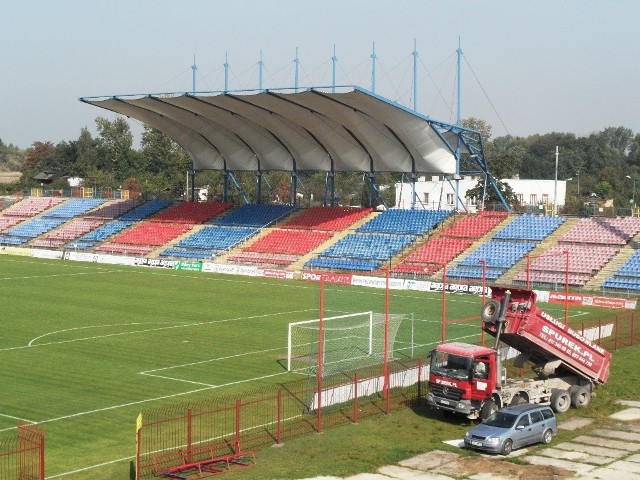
[(580, 397), (560, 400), (488, 408), (490, 311), (547, 436), (507, 446)]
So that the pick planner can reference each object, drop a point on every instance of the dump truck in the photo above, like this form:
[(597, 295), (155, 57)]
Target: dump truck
[(471, 380)]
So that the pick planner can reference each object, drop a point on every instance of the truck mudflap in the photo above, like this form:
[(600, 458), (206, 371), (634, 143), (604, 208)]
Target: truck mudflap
[(464, 407)]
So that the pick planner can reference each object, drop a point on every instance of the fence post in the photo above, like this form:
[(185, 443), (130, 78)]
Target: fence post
[(355, 398), (279, 427), (237, 445), (189, 434), (599, 332), (419, 381)]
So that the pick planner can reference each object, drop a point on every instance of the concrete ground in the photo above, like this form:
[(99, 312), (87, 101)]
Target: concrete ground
[(601, 453)]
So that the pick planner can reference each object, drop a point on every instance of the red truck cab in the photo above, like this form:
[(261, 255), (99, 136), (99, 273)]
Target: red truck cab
[(461, 377)]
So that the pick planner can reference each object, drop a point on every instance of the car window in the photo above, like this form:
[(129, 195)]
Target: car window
[(523, 421), (536, 416), (547, 413), (501, 420)]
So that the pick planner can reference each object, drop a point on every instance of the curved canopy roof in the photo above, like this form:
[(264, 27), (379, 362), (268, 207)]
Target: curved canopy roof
[(313, 130)]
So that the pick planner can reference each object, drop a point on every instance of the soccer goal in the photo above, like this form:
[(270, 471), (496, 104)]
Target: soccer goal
[(350, 341)]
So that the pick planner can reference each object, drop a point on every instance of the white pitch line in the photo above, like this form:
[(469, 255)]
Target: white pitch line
[(15, 418), (164, 397), (184, 325), (236, 355), (91, 467)]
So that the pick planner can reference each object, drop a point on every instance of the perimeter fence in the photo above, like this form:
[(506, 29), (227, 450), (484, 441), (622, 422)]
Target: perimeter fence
[(257, 419), (22, 454)]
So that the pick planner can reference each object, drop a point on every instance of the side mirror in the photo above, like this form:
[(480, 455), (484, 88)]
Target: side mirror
[(520, 427)]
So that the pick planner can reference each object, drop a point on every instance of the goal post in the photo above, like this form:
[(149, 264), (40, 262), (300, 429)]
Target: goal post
[(349, 341)]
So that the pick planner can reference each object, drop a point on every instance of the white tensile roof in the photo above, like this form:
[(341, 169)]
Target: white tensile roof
[(310, 130)]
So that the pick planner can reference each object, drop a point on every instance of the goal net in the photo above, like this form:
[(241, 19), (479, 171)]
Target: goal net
[(350, 341)]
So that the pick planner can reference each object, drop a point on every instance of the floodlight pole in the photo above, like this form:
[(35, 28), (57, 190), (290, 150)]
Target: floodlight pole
[(296, 63), (334, 61), (194, 68), (415, 76), (373, 68), (260, 67), (226, 72), (555, 188)]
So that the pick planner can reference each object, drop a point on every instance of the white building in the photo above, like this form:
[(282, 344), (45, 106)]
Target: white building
[(440, 193)]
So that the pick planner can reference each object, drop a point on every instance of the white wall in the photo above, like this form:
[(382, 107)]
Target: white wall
[(440, 194)]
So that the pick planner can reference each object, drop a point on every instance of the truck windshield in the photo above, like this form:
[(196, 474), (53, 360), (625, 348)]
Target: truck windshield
[(450, 365)]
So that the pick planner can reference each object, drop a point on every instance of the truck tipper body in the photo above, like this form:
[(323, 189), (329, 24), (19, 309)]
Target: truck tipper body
[(471, 380)]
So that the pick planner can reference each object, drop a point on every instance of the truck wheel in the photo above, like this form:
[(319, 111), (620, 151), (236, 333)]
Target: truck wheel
[(488, 408), (580, 397), (517, 400), (560, 400), (490, 311), (507, 446), (547, 436)]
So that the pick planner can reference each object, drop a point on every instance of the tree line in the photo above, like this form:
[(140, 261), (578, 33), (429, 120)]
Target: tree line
[(605, 164)]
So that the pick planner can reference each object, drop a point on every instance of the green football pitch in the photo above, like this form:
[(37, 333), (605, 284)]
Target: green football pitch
[(85, 347)]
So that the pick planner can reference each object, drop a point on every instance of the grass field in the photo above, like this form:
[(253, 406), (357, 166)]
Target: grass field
[(85, 347)]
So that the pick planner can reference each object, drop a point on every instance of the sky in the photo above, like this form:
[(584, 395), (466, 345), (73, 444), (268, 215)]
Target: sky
[(527, 67)]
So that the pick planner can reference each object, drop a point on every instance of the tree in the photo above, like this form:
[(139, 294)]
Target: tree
[(490, 195), (86, 154), (115, 143)]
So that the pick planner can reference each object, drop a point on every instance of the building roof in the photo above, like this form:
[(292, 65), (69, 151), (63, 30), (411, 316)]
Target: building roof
[(311, 130)]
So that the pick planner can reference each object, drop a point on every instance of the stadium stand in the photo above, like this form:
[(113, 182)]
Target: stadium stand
[(604, 231), (68, 231), (529, 227), (30, 229), (584, 262), (428, 258), (145, 210), (361, 251), (209, 242), (32, 206), (451, 243), (475, 225), (114, 208), (333, 219), (281, 247), (144, 237), (73, 208), (378, 240), (192, 212), (411, 222), (260, 215), (100, 234), (8, 222), (627, 277)]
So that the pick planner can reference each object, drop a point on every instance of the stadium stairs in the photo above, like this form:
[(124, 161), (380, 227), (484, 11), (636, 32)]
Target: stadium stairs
[(476, 244), (539, 249), (299, 264), (612, 267)]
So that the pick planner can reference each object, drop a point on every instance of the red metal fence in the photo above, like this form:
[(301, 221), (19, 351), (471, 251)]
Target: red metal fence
[(22, 454), (262, 418)]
